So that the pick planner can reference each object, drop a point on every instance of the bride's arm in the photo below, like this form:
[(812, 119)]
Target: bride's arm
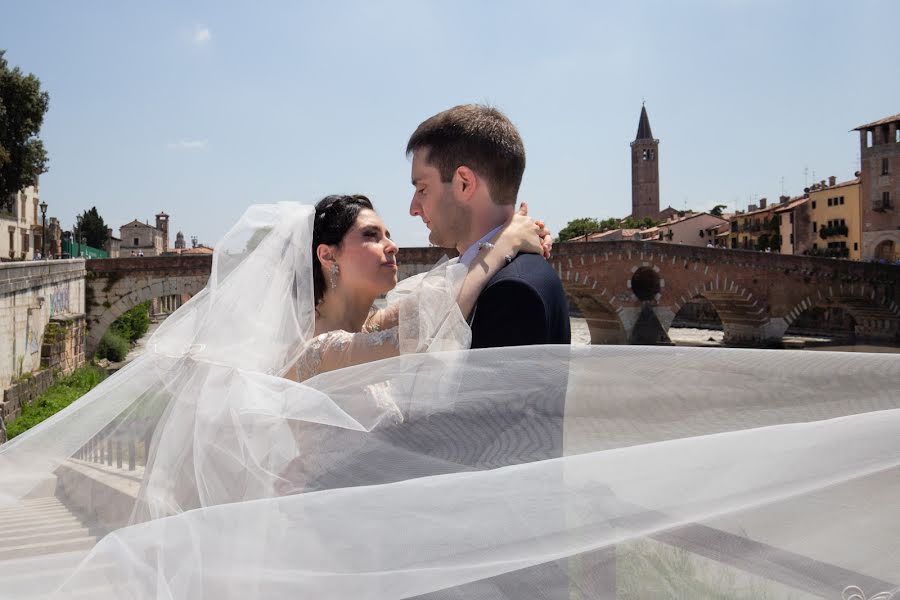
[(521, 234), (383, 319), (338, 349)]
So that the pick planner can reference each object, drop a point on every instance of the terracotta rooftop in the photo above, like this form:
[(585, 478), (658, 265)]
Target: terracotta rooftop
[(769, 208), (854, 181), (883, 121), (198, 250), (689, 217), (137, 223), (792, 204)]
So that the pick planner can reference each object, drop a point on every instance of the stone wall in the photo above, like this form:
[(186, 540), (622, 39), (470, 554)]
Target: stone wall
[(63, 349), (412, 261), (23, 393), (31, 294)]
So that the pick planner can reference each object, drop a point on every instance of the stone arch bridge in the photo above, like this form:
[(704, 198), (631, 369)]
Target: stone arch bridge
[(629, 292), (115, 285)]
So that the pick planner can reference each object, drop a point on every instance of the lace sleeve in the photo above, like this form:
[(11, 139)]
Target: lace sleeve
[(383, 319), (339, 349)]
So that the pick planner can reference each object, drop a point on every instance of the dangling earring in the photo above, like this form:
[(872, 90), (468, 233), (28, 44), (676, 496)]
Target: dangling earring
[(334, 273)]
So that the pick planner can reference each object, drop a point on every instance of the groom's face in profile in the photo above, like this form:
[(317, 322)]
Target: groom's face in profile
[(436, 202)]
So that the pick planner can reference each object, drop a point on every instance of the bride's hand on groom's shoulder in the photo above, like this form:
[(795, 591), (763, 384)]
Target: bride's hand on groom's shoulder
[(544, 234)]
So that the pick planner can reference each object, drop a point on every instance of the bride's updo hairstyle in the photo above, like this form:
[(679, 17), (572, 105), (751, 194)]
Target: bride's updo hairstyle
[(335, 215)]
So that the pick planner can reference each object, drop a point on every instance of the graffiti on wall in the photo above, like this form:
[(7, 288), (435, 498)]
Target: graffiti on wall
[(59, 299), (32, 342)]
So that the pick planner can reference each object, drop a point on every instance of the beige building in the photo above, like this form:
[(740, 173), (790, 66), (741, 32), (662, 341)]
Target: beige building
[(695, 229), (143, 239), (755, 229), (880, 189), (793, 225), (834, 219), (21, 229)]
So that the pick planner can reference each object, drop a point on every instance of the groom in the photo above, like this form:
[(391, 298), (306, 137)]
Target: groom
[(467, 164)]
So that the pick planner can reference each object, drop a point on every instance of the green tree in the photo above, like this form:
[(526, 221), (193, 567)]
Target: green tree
[(91, 227), (610, 223), (717, 210), (631, 223), (578, 227), (22, 109)]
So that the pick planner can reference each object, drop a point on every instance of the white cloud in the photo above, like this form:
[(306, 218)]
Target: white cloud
[(188, 145), (202, 35)]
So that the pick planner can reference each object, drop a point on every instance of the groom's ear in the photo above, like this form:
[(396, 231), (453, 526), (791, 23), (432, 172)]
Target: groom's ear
[(468, 182)]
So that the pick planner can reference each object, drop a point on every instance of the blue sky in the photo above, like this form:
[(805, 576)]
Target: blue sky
[(201, 108)]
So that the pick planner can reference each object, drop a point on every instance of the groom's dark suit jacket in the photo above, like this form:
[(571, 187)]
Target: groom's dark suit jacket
[(522, 305)]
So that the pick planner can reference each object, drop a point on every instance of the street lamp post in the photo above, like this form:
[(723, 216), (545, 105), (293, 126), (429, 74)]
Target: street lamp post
[(83, 241), (43, 206)]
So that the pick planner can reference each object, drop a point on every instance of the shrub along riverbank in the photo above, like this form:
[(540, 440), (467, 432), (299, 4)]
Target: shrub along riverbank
[(124, 332), (60, 395)]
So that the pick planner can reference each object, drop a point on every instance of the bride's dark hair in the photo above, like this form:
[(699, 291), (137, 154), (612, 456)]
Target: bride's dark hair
[(335, 215)]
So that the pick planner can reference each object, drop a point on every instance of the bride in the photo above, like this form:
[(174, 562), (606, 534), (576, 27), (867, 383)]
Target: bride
[(351, 244), (681, 472)]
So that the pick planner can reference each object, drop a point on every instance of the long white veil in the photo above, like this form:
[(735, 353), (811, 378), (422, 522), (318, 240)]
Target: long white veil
[(548, 472)]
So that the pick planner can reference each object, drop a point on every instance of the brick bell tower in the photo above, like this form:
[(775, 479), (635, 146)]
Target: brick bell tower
[(644, 171)]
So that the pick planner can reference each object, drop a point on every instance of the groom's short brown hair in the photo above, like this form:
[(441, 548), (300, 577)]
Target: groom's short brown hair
[(476, 136)]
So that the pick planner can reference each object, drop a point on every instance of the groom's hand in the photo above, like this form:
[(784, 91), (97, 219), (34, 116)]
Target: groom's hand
[(542, 231)]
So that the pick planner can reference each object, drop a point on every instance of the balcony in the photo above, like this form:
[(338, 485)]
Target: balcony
[(835, 231)]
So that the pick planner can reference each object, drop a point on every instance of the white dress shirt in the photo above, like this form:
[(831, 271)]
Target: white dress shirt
[(469, 255)]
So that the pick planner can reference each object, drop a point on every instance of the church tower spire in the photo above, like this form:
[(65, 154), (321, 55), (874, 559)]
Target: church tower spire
[(644, 171)]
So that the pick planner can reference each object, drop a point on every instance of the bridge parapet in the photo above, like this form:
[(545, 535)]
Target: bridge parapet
[(157, 265)]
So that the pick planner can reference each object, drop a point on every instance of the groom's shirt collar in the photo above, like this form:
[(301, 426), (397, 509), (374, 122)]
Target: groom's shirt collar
[(469, 255)]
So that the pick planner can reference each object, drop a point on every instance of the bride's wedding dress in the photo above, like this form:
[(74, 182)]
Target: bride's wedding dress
[(205, 469)]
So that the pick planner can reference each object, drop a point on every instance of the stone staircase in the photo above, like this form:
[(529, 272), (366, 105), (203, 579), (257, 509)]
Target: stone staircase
[(41, 541), (42, 526)]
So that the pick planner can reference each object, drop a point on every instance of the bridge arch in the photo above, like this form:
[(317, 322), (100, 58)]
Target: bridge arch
[(158, 289), (742, 317), (115, 285), (598, 307), (885, 249), (874, 318), (698, 313)]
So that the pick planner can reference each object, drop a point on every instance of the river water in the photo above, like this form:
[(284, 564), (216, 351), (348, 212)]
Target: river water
[(688, 336)]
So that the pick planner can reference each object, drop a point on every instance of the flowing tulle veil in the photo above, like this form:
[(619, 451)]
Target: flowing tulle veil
[(533, 472)]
